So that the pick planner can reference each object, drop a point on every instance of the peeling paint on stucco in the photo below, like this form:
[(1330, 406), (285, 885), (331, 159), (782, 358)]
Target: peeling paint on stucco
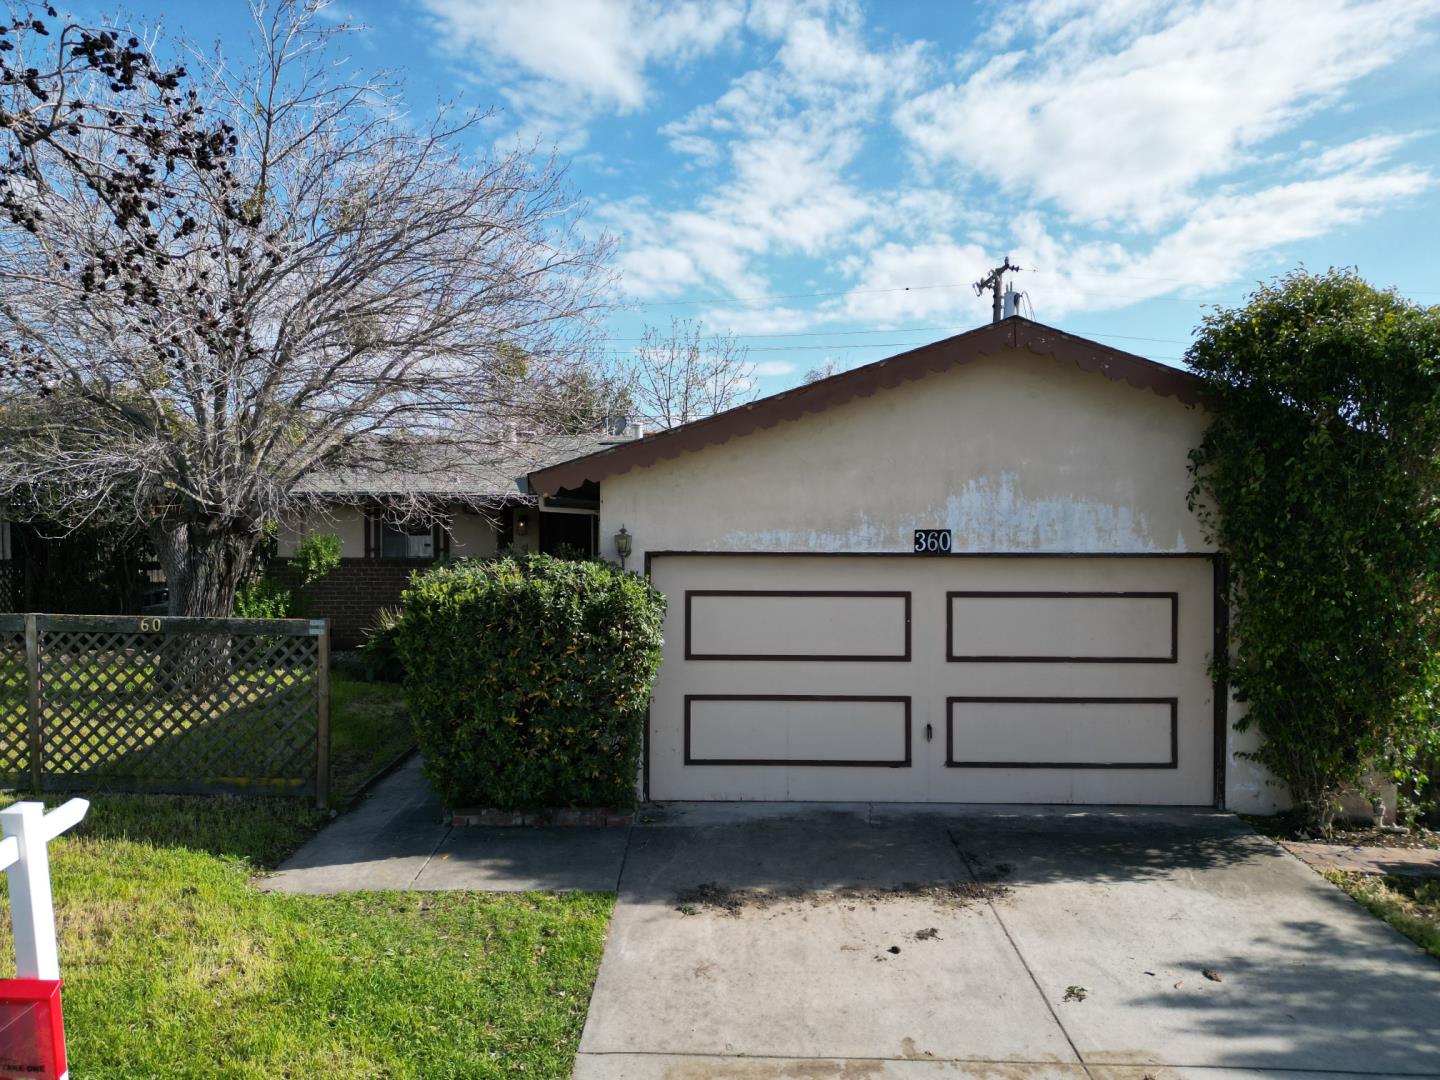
[(997, 515), (864, 536), (987, 514)]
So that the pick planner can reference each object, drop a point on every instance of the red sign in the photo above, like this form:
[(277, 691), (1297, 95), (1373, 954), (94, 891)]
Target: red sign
[(32, 1031)]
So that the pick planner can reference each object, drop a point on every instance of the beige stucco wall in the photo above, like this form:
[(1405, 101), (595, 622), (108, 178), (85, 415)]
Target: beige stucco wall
[(346, 522), (472, 536), (1014, 453)]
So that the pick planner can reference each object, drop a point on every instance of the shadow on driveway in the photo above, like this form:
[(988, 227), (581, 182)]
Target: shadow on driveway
[(768, 940), (1128, 907)]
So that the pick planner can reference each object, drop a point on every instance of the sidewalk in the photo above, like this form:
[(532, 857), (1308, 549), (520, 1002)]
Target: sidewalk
[(398, 838)]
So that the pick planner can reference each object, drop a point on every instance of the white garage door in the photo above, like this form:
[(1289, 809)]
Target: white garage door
[(944, 679)]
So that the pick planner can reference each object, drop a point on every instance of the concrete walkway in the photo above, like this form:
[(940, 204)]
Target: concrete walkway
[(397, 839), (768, 941), (1406, 862)]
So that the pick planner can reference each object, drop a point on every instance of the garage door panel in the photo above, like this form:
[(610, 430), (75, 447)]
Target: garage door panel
[(1145, 625), (796, 730), (1066, 733), (1062, 627), (793, 625)]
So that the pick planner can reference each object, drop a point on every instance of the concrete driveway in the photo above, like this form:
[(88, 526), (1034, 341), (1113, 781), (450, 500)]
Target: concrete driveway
[(919, 944)]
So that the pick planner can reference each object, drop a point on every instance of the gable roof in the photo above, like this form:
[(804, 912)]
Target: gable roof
[(1015, 332)]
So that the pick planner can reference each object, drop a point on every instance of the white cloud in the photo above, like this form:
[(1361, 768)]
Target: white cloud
[(787, 135), (562, 60), (766, 369), (1219, 242), (1116, 111), (1129, 149), (1361, 153)]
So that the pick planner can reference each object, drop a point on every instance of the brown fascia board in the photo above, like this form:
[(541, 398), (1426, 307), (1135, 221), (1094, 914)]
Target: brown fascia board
[(1013, 333)]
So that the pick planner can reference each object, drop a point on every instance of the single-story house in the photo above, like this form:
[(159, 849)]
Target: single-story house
[(966, 573), (490, 507)]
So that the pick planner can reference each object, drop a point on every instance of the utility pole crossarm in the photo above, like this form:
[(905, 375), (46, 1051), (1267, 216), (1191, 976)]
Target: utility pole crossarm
[(993, 281)]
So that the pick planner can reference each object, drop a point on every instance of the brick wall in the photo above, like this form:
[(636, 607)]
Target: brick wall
[(351, 595)]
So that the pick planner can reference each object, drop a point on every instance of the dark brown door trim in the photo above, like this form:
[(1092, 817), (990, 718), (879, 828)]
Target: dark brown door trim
[(1220, 686), (1173, 763), (903, 763), (691, 654), (1173, 597)]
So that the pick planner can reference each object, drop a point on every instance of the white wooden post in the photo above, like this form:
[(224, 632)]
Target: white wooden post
[(25, 856)]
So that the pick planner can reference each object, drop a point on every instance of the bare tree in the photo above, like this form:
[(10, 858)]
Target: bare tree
[(342, 288), (683, 375), (823, 370)]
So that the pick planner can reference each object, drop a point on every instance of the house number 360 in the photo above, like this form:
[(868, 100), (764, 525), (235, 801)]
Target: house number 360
[(932, 541)]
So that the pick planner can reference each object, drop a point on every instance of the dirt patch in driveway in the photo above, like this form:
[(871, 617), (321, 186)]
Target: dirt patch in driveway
[(712, 896)]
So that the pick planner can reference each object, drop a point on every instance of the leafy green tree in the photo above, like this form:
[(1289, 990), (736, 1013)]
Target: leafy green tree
[(1319, 476)]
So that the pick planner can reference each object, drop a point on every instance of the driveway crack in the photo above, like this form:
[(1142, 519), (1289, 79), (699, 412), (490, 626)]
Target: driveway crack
[(1049, 1005), (430, 858)]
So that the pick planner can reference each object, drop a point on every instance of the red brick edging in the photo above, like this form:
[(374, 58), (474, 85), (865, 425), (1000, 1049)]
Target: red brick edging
[(1411, 862), (491, 818)]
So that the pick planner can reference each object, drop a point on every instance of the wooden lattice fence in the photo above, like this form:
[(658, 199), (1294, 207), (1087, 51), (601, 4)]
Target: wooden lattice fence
[(12, 584), (165, 704)]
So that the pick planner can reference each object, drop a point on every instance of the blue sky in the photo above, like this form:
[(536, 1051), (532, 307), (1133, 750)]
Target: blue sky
[(825, 179)]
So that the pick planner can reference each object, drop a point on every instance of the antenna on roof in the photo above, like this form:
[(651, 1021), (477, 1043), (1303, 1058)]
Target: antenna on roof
[(993, 281)]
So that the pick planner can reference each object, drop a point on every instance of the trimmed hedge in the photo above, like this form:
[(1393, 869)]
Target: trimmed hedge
[(529, 680)]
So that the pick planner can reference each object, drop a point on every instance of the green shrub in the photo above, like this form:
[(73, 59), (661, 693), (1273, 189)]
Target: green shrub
[(315, 556), (264, 598), (380, 651), (529, 678), (1319, 476)]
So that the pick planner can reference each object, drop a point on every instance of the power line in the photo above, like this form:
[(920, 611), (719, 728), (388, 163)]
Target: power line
[(903, 330), (841, 348), (1063, 289)]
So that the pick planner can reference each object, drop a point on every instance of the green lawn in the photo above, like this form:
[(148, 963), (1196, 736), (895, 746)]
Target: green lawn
[(1409, 904), (369, 729), (175, 965)]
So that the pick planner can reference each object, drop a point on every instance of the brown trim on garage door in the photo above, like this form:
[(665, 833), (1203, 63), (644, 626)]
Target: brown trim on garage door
[(904, 763), (690, 654), (1220, 614), (1173, 597), (1220, 684), (1173, 763), (678, 552)]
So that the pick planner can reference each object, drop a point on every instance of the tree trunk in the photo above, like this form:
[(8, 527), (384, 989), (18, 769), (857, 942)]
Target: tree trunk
[(205, 564)]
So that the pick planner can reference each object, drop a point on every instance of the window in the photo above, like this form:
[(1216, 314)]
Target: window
[(410, 540), (406, 541)]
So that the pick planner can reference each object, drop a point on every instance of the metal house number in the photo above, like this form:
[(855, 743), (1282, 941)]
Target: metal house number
[(932, 541)]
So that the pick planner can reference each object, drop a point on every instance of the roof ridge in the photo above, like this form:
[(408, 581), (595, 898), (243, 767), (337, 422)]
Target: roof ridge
[(1016, 332)]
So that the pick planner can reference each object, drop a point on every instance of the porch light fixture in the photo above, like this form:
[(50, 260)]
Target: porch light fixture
[(622, 546), (522, 525)]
